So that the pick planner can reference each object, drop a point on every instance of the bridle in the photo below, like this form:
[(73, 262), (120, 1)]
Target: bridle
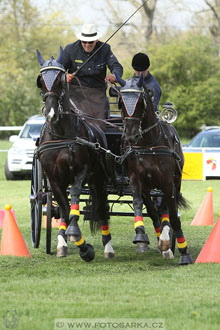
[(53, 71), (140, 94)]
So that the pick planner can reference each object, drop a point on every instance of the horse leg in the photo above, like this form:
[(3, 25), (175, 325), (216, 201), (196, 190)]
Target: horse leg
[(86, 251), (162, 228), (62, 200), (152, 212), (141, 239), (107, 241), (185, 257), (100, 214)]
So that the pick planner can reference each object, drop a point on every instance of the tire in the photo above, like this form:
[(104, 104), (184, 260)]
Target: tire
[(9, 175), (36, 200), (49, 218)]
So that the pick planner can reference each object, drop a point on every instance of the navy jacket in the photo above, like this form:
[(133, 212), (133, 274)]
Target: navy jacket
[(153, 84), (94, 72)]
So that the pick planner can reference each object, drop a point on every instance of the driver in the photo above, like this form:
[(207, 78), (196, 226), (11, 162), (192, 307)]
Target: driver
[(88, 86)]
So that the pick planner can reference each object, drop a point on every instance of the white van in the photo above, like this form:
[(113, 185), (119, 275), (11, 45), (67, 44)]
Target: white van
[(18, 164)]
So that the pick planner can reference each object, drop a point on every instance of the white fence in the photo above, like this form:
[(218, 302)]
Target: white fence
[(10, 128)]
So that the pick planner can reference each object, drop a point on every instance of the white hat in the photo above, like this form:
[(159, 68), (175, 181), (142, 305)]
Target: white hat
[(88, 33)]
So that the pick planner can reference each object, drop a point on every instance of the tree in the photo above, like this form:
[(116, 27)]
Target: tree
[(23, 31), (144, 23), (214, 6), (188, 71)]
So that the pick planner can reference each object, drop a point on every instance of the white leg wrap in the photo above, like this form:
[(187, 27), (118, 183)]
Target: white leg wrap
[(109, 248), (61, 241), (164, 236), (168, 254)]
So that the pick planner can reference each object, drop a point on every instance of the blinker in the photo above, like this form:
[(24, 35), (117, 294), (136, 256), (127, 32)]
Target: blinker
[(130, 100)]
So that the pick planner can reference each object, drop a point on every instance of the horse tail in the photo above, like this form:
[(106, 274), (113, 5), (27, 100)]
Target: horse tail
[(182, 202), (99, 211)]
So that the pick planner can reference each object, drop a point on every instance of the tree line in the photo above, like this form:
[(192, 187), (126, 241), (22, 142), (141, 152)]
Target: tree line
[(186, 64)]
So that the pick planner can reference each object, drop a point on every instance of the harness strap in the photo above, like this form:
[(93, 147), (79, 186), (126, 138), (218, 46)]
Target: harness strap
[(158, 151), (52, 145)]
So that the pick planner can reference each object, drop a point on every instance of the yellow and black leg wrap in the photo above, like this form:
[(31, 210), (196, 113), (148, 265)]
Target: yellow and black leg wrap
[(157, 231), (141, 236), (62, 229), (86, 251), (74, 211), (73, 228), (80, 242), (106, 236), (165, 221), (185, 257), (181, 243)]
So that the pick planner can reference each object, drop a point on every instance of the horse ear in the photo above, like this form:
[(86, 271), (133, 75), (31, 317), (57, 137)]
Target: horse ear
[(120, 80), (60, 57), (140, 82), (40, 58)]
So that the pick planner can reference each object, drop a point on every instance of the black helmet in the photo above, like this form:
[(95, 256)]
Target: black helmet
[(140, 62)]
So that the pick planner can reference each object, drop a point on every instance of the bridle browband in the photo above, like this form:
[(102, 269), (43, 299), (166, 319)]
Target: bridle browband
[(52, 67)]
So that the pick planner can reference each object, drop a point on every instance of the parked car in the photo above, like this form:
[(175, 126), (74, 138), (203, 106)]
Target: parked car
[(209, 138), (18, 164)]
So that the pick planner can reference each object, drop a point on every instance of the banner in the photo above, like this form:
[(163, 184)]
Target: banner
[(201, 163)]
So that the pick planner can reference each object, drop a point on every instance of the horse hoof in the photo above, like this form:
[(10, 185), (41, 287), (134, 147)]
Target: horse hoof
[(89, 254), (109, 255), (71, 238), (186, 259), (141, 238), (168, 254), (163, 245), (62, 252), (142, 247)]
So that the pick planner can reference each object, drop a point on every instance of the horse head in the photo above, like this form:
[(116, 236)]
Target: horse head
[(52, 82), (133, 104)]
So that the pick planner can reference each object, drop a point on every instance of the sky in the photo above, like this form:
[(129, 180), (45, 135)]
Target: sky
[(167, 13)]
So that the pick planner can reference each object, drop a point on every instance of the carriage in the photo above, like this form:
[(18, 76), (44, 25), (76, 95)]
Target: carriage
[(90, 166)]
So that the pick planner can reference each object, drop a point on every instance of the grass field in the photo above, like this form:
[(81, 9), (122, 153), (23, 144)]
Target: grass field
[(43, 288)]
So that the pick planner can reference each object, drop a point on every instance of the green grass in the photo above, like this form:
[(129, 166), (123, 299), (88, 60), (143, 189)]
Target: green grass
[(44, 287)]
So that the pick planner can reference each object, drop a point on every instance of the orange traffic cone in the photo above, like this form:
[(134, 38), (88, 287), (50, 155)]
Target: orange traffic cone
[(205, 214), (12, 241), (211, 250)]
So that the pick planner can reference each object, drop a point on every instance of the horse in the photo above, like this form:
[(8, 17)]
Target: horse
[(154, 160), (69, 154)]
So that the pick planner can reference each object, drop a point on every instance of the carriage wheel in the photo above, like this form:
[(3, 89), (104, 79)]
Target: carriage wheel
[(49, 219), (36, 200)]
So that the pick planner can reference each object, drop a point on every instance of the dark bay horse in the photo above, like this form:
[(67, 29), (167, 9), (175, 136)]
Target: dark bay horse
[(154, 160), (68, 157)]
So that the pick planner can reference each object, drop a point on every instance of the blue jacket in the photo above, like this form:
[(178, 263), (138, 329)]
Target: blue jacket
[(153, 84)]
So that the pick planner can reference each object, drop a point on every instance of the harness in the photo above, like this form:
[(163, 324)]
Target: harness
[(130, 96)]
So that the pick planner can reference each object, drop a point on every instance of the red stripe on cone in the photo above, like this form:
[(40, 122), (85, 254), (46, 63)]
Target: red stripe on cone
[(12, 242), (211, 250), (205, 214)]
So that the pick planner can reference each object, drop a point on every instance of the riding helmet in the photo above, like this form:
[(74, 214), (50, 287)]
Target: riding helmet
[(140, 62)]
